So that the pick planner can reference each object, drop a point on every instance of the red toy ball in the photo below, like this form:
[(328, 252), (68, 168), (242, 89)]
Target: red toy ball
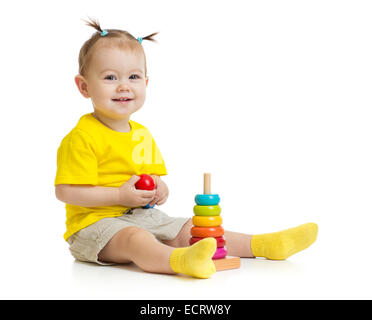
[(145, 182)]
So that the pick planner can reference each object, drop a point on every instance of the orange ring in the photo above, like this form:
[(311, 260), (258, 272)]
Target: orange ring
[(200, 221), (204, 232)]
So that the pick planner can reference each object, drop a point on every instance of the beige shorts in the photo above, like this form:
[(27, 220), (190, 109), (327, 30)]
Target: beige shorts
[(88, 242)]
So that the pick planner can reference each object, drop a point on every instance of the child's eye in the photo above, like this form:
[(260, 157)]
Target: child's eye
[(110, 77), (134, 76)]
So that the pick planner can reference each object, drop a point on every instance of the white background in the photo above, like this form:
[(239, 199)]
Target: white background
[(272, 97)]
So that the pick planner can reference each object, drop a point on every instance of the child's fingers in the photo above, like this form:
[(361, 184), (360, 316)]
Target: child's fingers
[(147, 194), (153, 202), (133, 180), (161, 201)]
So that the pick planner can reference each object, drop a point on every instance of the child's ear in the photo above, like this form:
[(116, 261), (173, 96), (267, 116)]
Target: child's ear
[(82, 85), (147, 81)]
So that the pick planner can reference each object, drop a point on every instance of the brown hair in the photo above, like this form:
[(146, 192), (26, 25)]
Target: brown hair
[(121, 38)]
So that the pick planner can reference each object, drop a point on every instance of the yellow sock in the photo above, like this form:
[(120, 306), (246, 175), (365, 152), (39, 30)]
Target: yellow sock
[(281, 245), (195, 261)]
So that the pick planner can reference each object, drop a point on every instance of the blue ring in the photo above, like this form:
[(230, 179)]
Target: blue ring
[(207, 199)]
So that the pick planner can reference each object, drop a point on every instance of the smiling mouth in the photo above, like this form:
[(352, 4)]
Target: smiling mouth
[(122, 100)]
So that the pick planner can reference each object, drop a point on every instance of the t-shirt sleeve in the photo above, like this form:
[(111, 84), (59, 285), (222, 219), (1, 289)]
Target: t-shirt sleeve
[(76, 160)]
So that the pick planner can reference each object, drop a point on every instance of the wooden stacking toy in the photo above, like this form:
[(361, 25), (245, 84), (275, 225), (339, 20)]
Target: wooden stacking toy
[(207, 222)]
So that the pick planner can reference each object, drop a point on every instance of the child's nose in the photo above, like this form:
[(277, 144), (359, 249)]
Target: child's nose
[(123, 86)]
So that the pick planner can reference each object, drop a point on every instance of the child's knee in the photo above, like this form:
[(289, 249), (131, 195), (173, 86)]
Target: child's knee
[(134, 234), (183, 236)]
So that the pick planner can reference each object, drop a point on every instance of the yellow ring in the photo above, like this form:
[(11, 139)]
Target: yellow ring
[(200, 221)]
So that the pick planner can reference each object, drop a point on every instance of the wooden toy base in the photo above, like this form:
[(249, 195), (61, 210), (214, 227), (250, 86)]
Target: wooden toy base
[(227, 263)]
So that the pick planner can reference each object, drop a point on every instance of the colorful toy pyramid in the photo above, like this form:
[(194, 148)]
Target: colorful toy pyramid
[(207, 222)]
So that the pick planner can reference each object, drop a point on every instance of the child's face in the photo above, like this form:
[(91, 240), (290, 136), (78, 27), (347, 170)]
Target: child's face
[(113, 75)]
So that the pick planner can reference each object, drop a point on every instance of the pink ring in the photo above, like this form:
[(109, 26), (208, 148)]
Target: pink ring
[(220, 253)]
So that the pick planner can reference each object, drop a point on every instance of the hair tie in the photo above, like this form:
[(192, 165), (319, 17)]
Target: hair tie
[(104, 33), (139, 39)]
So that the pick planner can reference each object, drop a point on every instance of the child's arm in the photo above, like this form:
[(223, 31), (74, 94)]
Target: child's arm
[(95, 196)]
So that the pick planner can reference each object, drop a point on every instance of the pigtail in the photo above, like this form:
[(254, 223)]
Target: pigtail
[(150, 37), (94, 24)]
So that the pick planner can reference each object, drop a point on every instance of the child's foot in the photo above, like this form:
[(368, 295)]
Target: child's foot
[(283, 244), (195, 261)]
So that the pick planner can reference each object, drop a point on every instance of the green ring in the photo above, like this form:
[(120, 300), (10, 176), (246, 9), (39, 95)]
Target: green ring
[(207, 210)]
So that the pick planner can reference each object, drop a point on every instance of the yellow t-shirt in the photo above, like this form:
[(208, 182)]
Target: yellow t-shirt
[(96, 155)]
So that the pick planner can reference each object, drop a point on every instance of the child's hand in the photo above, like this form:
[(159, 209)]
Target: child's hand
[(161, 194), (130, 197)]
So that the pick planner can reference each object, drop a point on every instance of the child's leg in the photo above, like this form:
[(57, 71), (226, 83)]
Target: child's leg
[(275, 246), (136, 245), (238, 244), (281, 245)]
